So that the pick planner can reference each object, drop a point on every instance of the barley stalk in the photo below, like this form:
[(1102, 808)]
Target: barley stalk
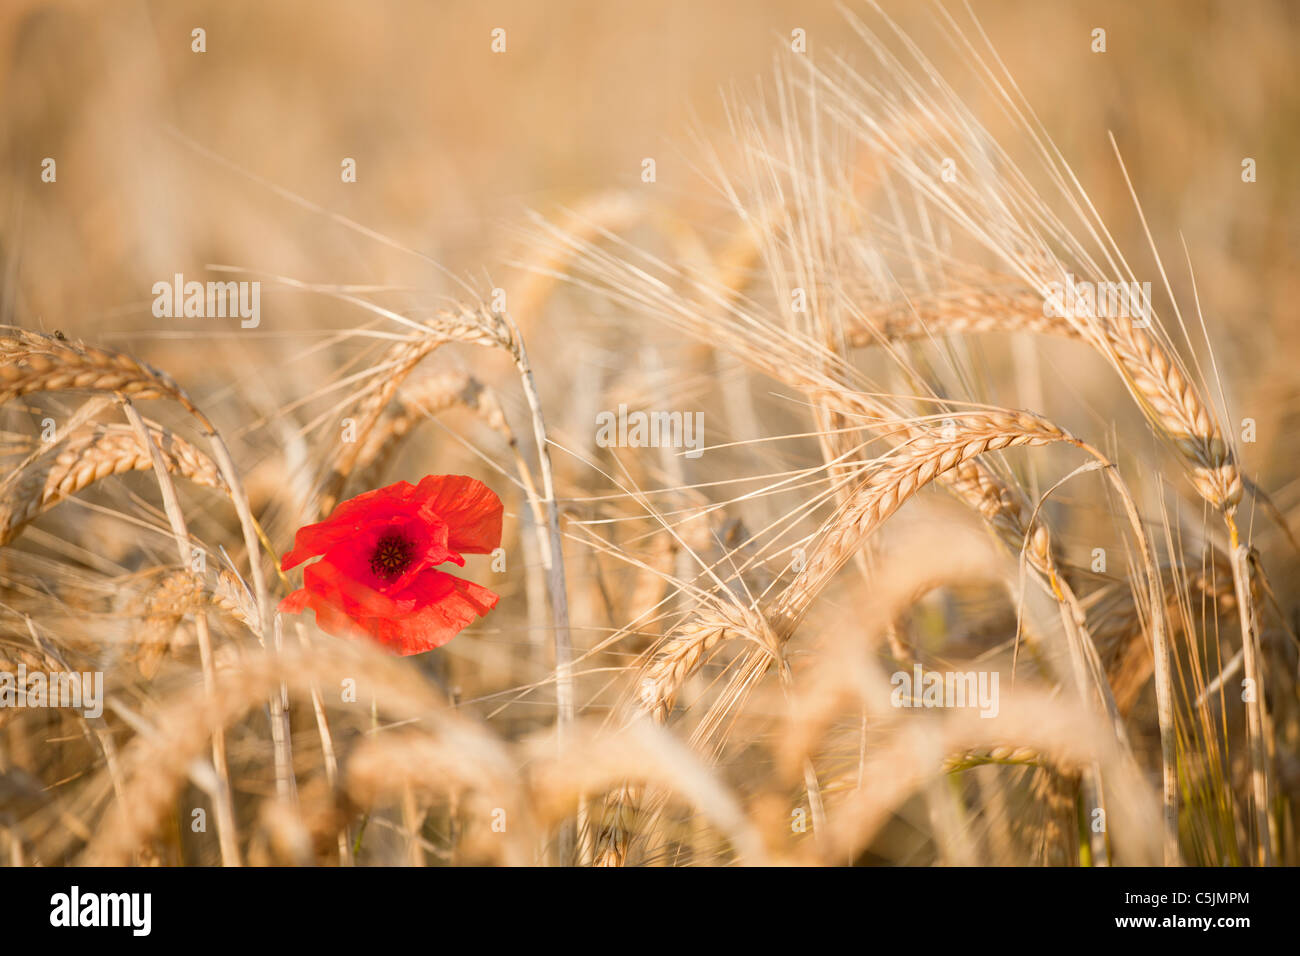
[(970, 311), (895, 480), (885, 489)]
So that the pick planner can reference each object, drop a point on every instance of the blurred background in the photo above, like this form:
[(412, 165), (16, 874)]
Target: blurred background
[(170, 160)]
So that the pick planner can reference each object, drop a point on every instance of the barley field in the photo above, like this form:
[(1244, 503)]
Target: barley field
[(675, 434)]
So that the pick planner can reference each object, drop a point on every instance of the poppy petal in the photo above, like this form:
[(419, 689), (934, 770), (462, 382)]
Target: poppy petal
[(445, 606), (470, 508), (349, 518), (295, 603)]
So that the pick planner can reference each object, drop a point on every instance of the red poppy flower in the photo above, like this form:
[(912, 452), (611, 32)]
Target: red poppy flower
[(379, 555)]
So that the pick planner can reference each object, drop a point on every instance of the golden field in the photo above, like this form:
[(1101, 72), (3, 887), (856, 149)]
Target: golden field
[(831, 237)]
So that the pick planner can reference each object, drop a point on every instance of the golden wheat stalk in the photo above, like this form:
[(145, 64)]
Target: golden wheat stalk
[(33, 362), (967, 311), (90, 453), (419, 401), (797, 362), (895, 479), (170, 593)]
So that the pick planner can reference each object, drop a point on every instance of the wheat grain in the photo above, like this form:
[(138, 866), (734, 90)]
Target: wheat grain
[(90, 453)]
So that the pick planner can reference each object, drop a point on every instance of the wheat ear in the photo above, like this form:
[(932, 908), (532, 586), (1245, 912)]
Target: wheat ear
[(89, 453)]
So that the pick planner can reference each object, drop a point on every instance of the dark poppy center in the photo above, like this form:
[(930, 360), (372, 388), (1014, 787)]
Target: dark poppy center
[(392, 556)]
